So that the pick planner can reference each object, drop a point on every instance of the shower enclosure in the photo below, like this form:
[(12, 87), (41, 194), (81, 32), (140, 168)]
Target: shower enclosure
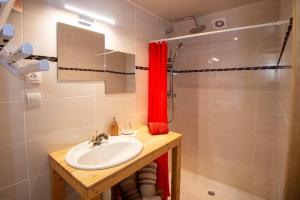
[(232, 104)]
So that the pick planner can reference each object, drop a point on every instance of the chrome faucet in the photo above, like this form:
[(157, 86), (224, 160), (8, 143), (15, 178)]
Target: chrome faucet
[(98, 139)]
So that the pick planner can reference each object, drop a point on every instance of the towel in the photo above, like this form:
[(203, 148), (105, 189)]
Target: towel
[(152, 198), (157, 128)]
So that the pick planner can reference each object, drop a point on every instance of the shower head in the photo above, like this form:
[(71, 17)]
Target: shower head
[(179, 46), (198, 29)]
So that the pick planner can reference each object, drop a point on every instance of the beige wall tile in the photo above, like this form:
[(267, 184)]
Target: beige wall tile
[(11, 88), (121, 106), (225, 129), (243, 80), (53, 88), (36, 29), (267, 103), (38, 149), (147, 28), (141, 81), (226, 101), (246, 39), (265, 127), (266, 80), (59, 116), (196, 80), (12, 164), (141, 118), (141, 55), (142, 102), (11, 123), (15, 192), (284, 93), (100, 88), (39, 8), (40, 187), (243, 56)]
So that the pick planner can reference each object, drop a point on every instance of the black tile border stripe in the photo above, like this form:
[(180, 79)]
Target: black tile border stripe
[(95, 70), (80, 69), (55, 59), (141, 68), (38, 57), (223, 69), (232, 69), (286, 38)]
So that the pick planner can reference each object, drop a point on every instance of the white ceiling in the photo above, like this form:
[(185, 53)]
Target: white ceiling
[(173, 9)]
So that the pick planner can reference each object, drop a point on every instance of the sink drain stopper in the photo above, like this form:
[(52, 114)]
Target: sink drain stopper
[(211, 193)]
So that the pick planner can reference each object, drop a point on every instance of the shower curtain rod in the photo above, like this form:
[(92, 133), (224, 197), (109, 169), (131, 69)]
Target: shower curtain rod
[(224, 31)]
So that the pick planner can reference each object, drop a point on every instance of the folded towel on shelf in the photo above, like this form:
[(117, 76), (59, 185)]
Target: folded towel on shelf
[(147, 180), (152, 198), (127, 184), (147, 175), (129, 188), (157, 128)]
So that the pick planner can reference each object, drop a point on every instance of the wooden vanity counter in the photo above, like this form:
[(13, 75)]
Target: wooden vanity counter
[(90, 184)]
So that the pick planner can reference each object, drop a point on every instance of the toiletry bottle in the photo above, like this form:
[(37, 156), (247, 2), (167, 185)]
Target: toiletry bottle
[(114, 128)]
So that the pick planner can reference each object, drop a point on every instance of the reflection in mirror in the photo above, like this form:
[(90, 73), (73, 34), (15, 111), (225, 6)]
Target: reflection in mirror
[(80, 54), (120, 72)]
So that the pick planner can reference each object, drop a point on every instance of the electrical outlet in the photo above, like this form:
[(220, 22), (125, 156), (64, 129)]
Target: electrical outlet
[(34, 77)]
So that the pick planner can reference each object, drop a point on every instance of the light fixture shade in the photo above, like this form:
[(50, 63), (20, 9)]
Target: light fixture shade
[(90, 15)]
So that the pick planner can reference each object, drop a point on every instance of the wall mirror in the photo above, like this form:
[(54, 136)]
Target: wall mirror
[(80, 54), (82, 57)]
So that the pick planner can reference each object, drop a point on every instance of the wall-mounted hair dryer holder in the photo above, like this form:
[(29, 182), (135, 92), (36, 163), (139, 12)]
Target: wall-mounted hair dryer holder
[(11, 60)]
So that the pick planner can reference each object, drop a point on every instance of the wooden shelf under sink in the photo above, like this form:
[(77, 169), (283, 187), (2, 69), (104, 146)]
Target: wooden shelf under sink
[(90, 184)]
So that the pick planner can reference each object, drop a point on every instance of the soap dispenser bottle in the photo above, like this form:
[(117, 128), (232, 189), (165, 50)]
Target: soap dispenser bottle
[(114, 128)]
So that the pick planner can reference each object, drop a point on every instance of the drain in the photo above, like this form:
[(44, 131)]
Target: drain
[(211, 193)]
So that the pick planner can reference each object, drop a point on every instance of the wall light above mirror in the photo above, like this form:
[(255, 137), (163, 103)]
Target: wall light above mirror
[(90, 15), (82, 57)]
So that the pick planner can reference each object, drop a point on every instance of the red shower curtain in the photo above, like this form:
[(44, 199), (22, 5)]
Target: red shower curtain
[(157, 105)]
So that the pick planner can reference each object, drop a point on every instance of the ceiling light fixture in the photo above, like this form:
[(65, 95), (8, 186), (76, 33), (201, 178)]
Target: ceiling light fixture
[(90, 15), (215, 59), (236, 38)]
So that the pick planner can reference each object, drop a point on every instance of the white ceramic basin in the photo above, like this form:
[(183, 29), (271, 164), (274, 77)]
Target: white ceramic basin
[(115, 151)]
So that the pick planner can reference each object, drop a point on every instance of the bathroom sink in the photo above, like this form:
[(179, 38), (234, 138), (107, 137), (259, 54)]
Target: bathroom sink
[(112, 152)]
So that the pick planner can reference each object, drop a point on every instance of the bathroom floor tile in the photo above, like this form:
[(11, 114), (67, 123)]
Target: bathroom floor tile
[(195, 186)]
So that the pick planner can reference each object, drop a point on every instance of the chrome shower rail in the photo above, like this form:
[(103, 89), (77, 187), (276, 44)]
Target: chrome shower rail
[(224, 31)]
